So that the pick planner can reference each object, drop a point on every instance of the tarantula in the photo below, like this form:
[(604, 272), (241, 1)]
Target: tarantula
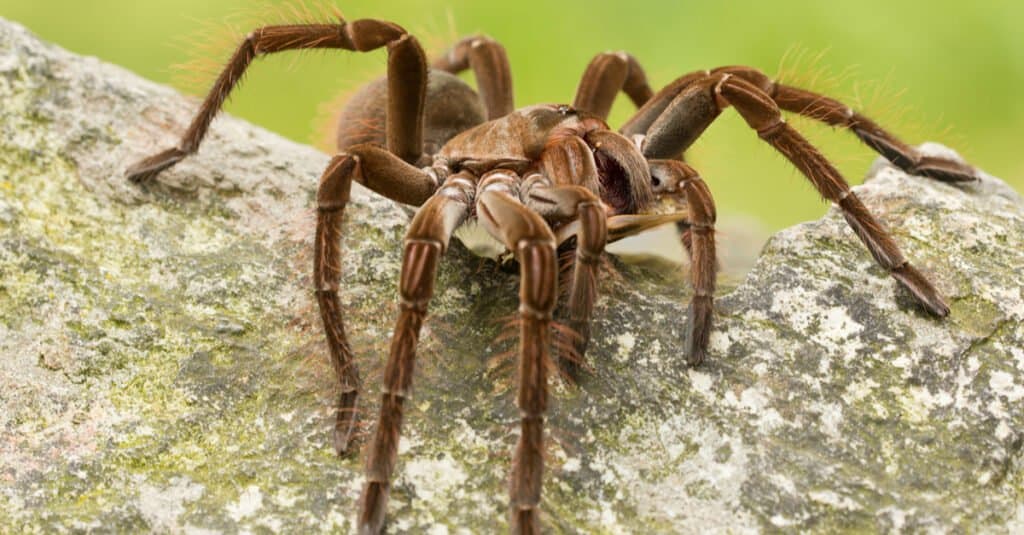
[(536, 178)]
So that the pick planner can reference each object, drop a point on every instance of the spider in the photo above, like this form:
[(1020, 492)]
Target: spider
[(538, 179)]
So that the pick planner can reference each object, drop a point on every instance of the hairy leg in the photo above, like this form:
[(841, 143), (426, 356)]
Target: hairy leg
[(698, 238), (407, 79), (899, 153), (697, 105), (426, 241), (560, 203), (490, 66), (800, 101), (391, 177), (526, 234), (606, 75)]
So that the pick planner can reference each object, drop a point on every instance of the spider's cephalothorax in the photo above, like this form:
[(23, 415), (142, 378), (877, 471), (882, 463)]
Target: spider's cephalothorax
[(535, 178)]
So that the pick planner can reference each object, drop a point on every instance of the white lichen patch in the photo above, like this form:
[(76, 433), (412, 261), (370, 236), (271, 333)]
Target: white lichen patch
[(834, 499), (249, 502), (830, 415), (720, 477), (626, 342), (831, 327), (1003, 384), (435, 479), (161, 506)]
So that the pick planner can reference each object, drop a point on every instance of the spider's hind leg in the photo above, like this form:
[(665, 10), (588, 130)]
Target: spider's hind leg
[(606, 75), (407, 82)]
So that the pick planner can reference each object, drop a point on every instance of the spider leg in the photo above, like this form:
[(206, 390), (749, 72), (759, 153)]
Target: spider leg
[(526, 233), (606, 75), (386, 174), (580, 204), (695, 107), (905, 157), (832, 112), (490, 66), (641, 122), (808, 104), (699, 240), (407, 79), (425, 242)]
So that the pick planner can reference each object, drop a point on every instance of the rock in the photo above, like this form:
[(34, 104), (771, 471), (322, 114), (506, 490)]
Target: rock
[(162, 365)]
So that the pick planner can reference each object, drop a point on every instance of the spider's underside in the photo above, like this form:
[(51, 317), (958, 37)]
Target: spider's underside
[(537, 179)]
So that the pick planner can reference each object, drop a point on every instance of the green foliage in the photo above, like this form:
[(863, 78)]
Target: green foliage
[(947, 71)]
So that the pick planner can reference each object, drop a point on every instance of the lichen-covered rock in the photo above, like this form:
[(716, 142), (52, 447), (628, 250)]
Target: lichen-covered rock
[(162, 364)]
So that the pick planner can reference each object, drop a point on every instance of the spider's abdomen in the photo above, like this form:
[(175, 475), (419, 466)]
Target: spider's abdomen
[(452, 106)]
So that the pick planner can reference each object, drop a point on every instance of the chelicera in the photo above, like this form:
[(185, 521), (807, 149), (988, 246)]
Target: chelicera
[(537, 179)]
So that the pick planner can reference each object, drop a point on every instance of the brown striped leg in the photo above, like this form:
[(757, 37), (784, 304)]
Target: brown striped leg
[(407, 82), (655, 107), (560, 203), (525, 232), (606, 75), (833, 112), (803, 102), (425, 242), (699, 241), (490, 66), (332, 197), (386, 174), (696, 106), (900, 154), (762, 114)]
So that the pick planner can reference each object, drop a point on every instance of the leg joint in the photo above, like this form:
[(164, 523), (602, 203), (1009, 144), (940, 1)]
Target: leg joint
[(768, 132), (526, 310), (586, 257)]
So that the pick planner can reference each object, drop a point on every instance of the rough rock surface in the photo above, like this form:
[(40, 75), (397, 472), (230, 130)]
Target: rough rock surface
[(161, 363)]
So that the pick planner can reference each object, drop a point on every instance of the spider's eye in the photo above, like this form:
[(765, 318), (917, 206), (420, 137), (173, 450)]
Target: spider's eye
[(655, 181)]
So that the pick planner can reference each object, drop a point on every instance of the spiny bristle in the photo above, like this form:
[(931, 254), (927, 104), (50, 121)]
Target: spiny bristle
[(325, 124), (800, 68), (213, 42), (880, 99), (435, 37)]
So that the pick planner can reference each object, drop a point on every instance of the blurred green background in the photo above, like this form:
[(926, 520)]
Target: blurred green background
[(945, 70)]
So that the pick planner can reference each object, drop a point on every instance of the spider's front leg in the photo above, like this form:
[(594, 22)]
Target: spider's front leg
[(526, 234), (664, 118), (407, 82), (425, 243), (675, 178), (386, 174), (907, 158), (699, 101)]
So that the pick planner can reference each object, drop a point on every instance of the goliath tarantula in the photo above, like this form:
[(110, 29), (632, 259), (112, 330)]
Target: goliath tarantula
[(535, 178)]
